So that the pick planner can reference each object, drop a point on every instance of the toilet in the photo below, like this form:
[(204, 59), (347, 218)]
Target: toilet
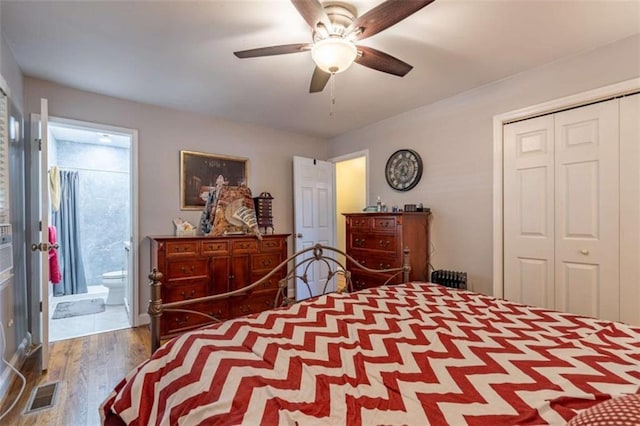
[(116, 282)]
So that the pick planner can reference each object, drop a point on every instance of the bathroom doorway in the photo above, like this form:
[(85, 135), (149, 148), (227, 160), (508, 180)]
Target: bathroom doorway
[(92, 182)]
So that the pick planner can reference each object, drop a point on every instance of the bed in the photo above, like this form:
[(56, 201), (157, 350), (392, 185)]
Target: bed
[(409, 354)]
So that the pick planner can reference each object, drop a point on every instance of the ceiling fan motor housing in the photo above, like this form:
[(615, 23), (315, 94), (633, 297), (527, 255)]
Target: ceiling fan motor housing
[(341, 16)]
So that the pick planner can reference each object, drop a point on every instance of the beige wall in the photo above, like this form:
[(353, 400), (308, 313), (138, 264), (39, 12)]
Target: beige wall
[(455, 139), (162, 133)]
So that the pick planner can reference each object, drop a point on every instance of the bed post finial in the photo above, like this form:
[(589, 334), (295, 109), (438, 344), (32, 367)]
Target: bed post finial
[(406, 265), (155, 308)]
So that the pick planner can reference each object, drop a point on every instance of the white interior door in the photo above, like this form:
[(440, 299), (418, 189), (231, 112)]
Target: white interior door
[(630, 209), (40, 235), (561, 211), (314, 215), (529, 212), (587, 210)]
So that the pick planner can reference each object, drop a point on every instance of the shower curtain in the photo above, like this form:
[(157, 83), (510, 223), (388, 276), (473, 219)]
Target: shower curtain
[(67, 222)]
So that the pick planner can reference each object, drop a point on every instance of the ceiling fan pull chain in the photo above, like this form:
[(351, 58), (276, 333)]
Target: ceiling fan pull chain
[(333, 93)]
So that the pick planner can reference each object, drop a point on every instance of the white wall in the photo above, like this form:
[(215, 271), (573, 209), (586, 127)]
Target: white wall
[(13, 308), (455, 140), (162, 133), (10, 71)]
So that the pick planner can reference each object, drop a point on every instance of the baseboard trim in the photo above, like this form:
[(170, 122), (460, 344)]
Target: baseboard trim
[(143, 319)]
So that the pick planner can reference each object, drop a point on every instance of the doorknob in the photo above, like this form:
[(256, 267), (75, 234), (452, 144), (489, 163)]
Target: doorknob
[(299, 235), (584, 251), (44, 247)]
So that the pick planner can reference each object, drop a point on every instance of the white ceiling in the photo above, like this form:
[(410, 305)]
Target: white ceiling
[(179, 53)]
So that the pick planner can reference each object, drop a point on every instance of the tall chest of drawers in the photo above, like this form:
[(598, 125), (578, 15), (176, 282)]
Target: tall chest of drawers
[(195, 267), (377, 241)]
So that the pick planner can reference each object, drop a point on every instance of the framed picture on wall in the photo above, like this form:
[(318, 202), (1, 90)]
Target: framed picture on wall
[(199, 173)]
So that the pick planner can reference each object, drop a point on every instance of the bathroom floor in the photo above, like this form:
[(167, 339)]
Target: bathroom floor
[(113, 318)]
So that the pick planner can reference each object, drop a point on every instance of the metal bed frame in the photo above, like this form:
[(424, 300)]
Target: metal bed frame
[(300, 261)]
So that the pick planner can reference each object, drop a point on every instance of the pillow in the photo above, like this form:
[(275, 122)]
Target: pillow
[(621, 410)]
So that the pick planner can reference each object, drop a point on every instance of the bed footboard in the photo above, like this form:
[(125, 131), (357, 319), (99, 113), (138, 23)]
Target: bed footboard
[(300, 262)]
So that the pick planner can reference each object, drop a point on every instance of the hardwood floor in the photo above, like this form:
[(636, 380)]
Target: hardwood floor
[(88, 368)]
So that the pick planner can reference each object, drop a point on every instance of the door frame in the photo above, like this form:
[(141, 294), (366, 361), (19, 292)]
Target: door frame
[(133, 295), (556, 105)]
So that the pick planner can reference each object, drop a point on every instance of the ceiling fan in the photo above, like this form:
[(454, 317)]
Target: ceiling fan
[(335, 28)]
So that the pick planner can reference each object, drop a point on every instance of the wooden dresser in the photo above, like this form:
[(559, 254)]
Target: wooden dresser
[(200, 266), (377, 240)]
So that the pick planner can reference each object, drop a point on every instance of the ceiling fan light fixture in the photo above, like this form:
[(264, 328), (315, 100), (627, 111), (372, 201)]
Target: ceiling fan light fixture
[(334, 55)]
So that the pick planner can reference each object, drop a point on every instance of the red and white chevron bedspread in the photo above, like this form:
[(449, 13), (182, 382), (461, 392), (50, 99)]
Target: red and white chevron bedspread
[(411, 354)]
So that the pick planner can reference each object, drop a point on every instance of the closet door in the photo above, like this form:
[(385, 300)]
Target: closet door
[(587, 227), (630, 209), (529, 212)]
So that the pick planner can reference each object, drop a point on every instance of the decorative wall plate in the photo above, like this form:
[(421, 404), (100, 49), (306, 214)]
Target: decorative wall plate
[(404, 169)]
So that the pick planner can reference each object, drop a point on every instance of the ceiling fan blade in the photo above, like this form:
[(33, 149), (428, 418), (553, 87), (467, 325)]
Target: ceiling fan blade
[(383, 16), (312, 12), (274, 50), (318, 80), (380, 61)]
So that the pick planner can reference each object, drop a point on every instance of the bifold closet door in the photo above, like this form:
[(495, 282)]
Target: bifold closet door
[(561, 211), (630, 209), (587, 198), (529, 212)]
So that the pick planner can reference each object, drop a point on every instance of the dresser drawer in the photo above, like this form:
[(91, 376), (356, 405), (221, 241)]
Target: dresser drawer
[(265, 262), (173, 322), (184, 292), (385, 224), (373, 262), (187, 269), (214, 247), (178, 322), (360, 222), (181, 248), (255, 302), (363, 281), (271, 244), (245, 246), (270, 284), (369, 241)]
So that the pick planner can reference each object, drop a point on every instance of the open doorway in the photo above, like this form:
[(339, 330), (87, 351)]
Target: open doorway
[(352, 188), (91, 182)]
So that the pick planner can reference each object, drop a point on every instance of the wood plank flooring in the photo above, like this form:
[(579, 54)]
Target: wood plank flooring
[(88, 368)]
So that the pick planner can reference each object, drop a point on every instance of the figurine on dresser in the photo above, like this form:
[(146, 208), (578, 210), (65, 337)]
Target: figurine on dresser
[(229, 210)]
